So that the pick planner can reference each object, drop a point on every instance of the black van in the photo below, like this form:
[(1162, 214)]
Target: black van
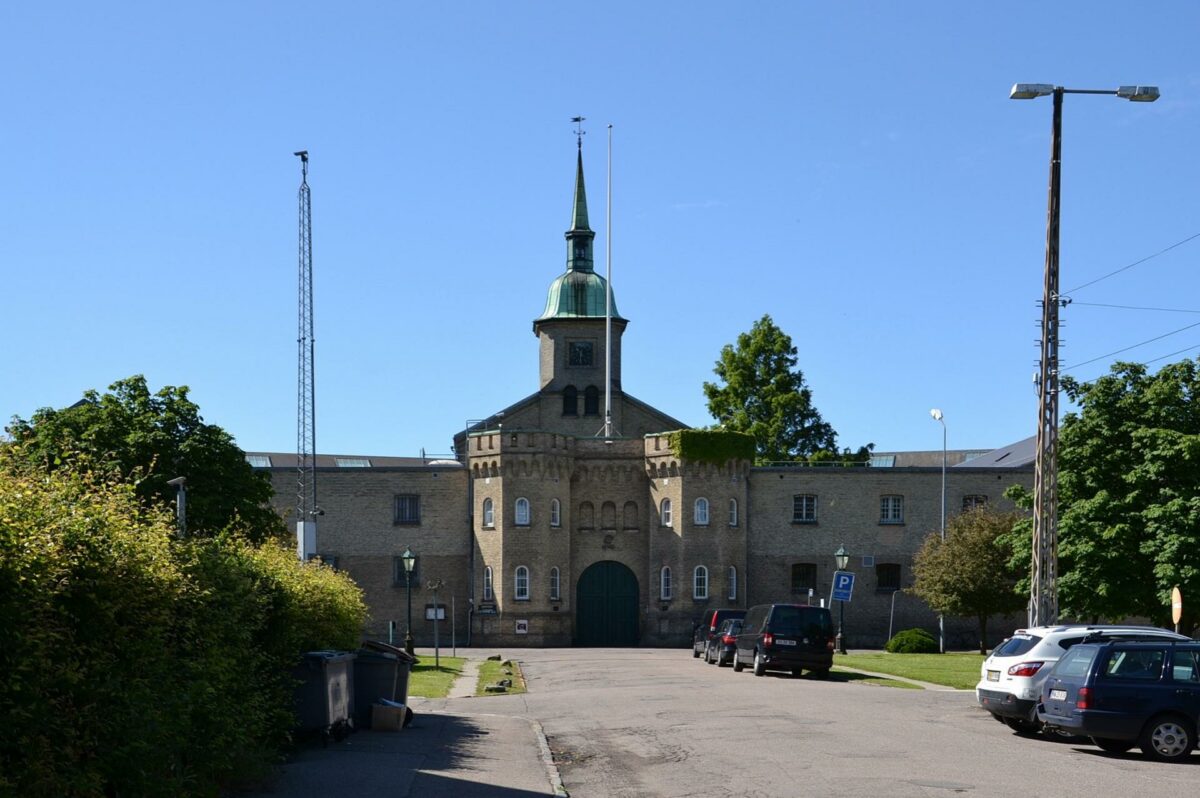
[(786, 637)]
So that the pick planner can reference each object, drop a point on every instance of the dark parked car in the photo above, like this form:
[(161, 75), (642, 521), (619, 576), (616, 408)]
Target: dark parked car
[(707, 627), (785, 637), (1126, 694), (721, 645)]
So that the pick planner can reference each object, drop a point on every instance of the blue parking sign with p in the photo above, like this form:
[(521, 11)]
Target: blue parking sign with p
[(843, 585)]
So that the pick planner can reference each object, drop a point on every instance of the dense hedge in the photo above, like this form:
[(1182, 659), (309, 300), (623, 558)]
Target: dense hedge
[(912, 641), (135, 664)]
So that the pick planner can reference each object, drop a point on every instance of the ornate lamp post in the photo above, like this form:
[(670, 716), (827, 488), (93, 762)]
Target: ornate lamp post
[(841, 558), (409, 559)]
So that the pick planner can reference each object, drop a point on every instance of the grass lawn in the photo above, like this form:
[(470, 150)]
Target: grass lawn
[(953, 670), (492, 671), (428, 681)]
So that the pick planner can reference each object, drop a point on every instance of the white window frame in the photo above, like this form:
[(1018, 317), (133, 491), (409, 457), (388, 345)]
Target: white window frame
[(555, 513), (489, 514), (891, 508), (488, 594), (700, 512), (521, 512), (733, 585), (555, 583), (700, 583), (664, 510), (521, 583), (733, 512), (664, 583), (808, 508)]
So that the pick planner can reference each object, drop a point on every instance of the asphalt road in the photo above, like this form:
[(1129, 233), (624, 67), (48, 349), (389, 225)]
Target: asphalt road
[(631, 723)]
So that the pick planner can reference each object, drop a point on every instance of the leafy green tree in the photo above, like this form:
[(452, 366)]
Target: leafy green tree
[(969, 574), (764, 394), (1129, 495), (152, 438)]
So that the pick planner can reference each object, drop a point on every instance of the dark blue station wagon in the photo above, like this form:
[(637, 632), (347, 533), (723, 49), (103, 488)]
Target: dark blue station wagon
[(1127, 694)]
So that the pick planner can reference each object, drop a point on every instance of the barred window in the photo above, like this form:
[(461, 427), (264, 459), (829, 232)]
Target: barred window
[(973, 501), (891, 509), (804, 577), (887, 577), (407, 509), (804, 508), (399, 577)]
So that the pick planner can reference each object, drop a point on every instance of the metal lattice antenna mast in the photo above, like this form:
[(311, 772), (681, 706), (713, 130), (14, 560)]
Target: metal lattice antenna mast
[(306, 432)]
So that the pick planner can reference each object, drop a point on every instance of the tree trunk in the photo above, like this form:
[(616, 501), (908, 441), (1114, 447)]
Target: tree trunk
[(983, 633)]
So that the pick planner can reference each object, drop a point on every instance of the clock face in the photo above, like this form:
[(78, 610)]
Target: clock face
[(580, 353)]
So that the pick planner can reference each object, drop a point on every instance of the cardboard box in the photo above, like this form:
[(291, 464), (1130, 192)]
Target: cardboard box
[(387, 718)]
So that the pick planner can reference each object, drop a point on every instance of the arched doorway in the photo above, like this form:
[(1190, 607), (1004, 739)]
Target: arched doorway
[(606, 606)]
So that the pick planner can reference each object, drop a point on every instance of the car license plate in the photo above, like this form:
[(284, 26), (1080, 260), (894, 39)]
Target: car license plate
[(785, 642), (993, 676), (1058, 695)]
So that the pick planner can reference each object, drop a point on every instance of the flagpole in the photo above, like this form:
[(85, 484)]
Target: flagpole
[(608, 426)]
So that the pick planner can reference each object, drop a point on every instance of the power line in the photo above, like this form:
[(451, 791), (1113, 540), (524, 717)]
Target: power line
[(1135, 263), (1153, 360), (1132, 346), (1133, 307)]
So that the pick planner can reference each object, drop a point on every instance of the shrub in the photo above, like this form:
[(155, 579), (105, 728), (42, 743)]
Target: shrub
[(135, 664), (913, 641)]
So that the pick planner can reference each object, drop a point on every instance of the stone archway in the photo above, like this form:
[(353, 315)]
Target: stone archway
[(606, 606)]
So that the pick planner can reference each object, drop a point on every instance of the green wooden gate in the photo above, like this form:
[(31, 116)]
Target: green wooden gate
[(606, 606)]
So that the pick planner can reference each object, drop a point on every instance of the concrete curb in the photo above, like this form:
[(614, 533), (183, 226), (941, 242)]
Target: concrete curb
[(941, 688), (548, 761)]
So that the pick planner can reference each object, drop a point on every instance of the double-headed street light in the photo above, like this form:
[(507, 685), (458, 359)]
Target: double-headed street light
[(1043, 598), (937, 416), (409, 559)]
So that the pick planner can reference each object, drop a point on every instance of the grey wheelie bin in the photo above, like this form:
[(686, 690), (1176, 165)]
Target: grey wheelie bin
[(380, 673), (325, 693)]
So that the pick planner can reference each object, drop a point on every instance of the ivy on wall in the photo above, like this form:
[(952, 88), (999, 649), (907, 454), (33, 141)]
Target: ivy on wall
[(711, 446)]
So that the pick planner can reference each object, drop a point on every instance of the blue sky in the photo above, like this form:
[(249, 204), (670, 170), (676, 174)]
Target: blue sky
[(856, 170)]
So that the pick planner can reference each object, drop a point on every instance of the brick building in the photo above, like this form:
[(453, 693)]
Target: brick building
[(544, 531)]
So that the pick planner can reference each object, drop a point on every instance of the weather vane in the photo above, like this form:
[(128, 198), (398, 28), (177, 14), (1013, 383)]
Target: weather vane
[(579, 131)]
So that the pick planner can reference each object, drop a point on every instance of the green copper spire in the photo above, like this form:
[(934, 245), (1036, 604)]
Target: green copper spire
[(579, 292)]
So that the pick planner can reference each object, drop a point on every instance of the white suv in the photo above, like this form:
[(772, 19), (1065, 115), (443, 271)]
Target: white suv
[(1010, 680)]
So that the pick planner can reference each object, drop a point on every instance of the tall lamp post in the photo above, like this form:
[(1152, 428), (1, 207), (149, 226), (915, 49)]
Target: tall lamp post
[(937, 416), (841, 558), (409, 559), (1043, 598)]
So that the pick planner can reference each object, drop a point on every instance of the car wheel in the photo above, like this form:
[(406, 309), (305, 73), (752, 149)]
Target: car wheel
[(721, 660), (1112, 746), (1022, 725), (708, 657), (759, 667), (1167, 738), (695, 651), (737, 663), (797, 672)]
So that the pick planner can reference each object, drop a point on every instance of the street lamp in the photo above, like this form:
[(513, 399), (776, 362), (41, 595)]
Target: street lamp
[(180, 485), (937, 416), (409, 559), (841, 558), (1043, 597)]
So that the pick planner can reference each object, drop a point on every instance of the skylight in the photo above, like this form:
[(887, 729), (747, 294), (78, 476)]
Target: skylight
[(258, 460), (352, 462)]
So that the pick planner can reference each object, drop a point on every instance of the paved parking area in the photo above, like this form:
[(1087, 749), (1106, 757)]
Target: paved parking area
[(655, 722)]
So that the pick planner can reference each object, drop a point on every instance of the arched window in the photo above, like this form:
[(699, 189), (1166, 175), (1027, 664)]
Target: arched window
[(733, 519), (664, 583), (587, 515), (554, 584), (487, 583), (732, 583), (489, 513), (591, 401), (700, 516), (555, 513), (665, 512), (608, 515), (700, 582), (522, 512), (630, 515), (521, 584), (570, 401)]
